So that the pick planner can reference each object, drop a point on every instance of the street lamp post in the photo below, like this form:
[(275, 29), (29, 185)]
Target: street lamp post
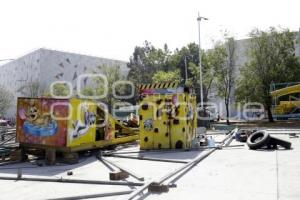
[(199, 18)]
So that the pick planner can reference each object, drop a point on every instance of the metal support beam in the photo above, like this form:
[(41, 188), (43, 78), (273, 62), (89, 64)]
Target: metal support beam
[(79, 181), (107, 165), (123, 169), (186, 167), (89, 196), (148, 151), (145, 158), (9, 139), (9, 162), (167, 151), (234, 132)]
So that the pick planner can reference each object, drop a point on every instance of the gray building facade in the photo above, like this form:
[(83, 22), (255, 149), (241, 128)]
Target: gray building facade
[(44, 66)]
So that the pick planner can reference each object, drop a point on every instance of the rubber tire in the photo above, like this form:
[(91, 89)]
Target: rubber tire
[(280, 142), (237, 136), (243, 138), (263, 142)]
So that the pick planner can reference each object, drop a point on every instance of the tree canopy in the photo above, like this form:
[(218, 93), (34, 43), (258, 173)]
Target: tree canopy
[(271, 60), (6, 98), (170, 76), (149, 64), (146, 61)]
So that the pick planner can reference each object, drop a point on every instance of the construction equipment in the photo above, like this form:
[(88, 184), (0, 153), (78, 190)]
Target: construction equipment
[(168, 116)]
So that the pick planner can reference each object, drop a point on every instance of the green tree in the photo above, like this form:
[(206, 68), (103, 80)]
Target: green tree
[(149, 64), (212, 60), (272, 59), (97, 87), (59, 89), (30, 89), (170, 76), (225, 69), (6, 98), (183, 58), (146, 61), (88, 91), (188, 57)]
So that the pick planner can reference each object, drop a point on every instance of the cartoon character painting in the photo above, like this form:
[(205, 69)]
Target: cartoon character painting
[(81, 128), (37, 123)]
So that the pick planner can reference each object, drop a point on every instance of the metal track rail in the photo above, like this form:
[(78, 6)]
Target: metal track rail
[(145, 158), (122, 169), (108, 194), (186, 167), (79, 181)]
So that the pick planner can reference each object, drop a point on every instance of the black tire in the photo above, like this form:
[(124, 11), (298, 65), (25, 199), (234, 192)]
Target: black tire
[(243, 138), (280, 142), (258, 139)]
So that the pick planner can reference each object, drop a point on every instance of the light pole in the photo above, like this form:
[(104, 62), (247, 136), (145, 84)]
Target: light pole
[(185, 66), (199, 18)]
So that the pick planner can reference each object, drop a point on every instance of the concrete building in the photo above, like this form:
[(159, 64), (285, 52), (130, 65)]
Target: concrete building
[(44, 66)]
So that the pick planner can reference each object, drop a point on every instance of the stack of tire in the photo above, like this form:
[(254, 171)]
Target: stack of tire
[(261, 139)]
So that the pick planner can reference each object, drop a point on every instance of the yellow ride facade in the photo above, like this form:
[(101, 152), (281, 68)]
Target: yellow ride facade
[(286, 106), (168, 116)]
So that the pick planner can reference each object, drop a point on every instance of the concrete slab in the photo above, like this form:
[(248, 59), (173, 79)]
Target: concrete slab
[(227, 174), (239, 173)]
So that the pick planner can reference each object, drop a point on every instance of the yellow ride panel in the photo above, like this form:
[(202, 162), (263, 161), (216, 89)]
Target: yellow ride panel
[(167, 120)]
